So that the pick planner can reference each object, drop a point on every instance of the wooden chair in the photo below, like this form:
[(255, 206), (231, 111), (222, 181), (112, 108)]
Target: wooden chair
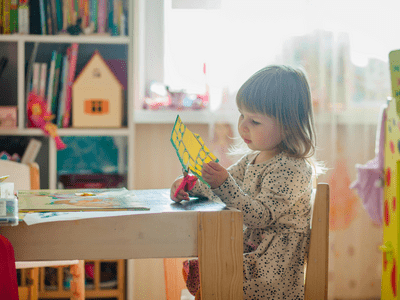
[(26, 177), (316, 269), (316, 281)]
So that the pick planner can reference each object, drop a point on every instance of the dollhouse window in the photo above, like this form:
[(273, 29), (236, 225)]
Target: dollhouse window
[(96, 107)]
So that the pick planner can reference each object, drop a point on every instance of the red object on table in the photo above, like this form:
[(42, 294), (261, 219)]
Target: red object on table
[(8, 273), (188, 182)]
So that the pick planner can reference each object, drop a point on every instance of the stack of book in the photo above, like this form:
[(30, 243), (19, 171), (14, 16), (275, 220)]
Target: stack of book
[(53, 82), (55, 16)]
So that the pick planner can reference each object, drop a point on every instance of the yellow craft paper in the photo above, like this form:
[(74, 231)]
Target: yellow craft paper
[(190, 148), (391, 220), (394, 61)]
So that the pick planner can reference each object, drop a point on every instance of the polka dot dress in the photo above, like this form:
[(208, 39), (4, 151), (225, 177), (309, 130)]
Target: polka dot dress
[(274, 197)]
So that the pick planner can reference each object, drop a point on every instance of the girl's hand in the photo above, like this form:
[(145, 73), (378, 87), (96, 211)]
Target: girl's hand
[(182, 195), (214, 174)]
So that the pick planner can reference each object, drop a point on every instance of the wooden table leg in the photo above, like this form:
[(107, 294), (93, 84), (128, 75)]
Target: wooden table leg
[(34, 278), (78, 281), (220, 251)]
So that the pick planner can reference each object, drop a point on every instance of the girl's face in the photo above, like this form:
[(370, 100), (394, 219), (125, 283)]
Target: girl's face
[(260, 132)]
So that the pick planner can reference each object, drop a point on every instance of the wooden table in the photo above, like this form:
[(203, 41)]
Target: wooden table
[(196, 228)]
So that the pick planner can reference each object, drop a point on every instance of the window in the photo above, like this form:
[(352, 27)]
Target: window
[(343, 45)]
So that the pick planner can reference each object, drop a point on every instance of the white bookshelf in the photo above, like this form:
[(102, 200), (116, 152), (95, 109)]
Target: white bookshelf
[(125, 44)]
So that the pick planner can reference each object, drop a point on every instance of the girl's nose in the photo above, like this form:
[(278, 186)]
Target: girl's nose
[(243, 127)]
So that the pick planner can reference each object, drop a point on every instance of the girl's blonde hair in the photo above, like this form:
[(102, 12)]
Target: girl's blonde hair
[(283, 92)]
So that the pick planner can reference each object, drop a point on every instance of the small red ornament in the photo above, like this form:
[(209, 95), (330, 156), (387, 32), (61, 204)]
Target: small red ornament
[(39, 117)]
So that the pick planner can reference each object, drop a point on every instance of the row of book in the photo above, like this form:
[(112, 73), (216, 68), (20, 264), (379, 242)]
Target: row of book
[(53, 82), (63, 16)]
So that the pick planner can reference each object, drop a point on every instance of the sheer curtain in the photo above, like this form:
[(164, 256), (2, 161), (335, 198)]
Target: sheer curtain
[(343, 47)]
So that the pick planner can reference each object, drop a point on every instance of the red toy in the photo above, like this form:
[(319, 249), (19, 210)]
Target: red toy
[(38, 116)]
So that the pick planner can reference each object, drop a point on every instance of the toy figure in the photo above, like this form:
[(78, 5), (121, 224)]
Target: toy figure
[(38, 116)]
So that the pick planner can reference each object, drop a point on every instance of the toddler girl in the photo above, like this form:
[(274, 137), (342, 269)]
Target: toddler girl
[(271, 184)]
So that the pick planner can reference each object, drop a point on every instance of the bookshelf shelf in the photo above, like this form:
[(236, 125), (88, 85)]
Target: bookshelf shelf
[(67, 132), (66, 38)]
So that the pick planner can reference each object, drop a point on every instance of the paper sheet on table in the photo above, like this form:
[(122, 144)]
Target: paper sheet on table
[(45, 217)]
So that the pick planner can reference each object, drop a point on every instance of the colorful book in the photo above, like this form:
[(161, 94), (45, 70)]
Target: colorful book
[(42, 82), (81, 8), (6, 16), (122, 25), (23, 17), (53, 16), (59, 14), (72, 12), (93, 13), (76, 10), (61, 99), (50, 82), (34, 17), (29, 74), (65, 12), (49, 17), (110, 15), (71, 78), (54, 98), (102, 16), (43, 16), (36, 78), (14, 16), (1, 16), (86, 14), (115, 29), (78, 200)]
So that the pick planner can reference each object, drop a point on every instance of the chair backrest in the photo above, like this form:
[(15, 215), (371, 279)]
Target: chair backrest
[(24, 176), (316, 282)]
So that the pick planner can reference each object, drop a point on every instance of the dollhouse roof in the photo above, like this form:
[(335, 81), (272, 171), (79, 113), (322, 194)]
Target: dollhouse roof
[(96, 54)]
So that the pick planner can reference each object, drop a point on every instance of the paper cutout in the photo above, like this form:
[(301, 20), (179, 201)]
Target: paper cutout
[(190, 148)]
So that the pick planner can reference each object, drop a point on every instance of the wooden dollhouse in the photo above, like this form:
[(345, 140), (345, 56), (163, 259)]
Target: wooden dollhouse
[(391, 217), (97, 96)]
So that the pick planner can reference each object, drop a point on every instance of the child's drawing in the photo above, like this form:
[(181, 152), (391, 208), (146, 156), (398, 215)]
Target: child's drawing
[(78, 199)]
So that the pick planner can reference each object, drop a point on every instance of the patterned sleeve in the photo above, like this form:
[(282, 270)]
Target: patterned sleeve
[(280, 188), (236, 170)]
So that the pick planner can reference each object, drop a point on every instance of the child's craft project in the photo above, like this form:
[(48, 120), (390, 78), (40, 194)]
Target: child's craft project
[(38, 116), (391, 189), (190, 148), (78, 200)]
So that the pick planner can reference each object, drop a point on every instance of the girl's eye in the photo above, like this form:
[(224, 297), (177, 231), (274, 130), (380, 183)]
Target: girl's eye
[(255, 122)]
